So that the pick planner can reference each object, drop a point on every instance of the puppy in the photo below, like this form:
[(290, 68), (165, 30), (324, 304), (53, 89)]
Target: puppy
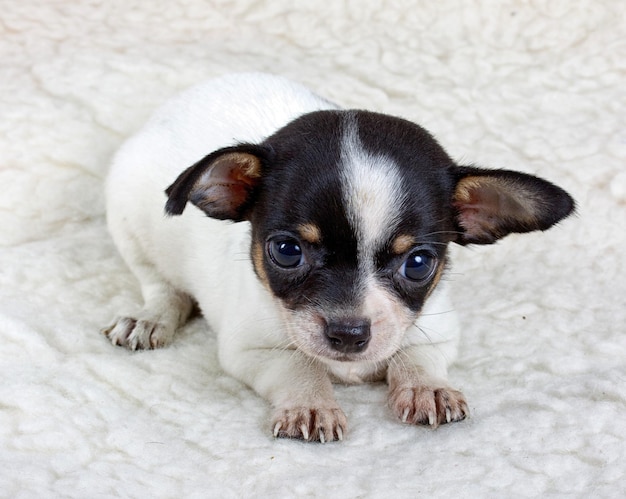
[(333, 269)]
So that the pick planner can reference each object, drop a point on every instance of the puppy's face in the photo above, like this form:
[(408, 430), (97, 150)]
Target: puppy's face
[(349, 234), (351, 215)]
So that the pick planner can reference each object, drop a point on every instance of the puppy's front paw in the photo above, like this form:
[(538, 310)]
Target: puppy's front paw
[(322, 425), (428, 405), (138, 334)]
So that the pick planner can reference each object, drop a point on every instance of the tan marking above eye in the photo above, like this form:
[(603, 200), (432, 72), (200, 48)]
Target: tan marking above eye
[(310, 233), (402, 244)]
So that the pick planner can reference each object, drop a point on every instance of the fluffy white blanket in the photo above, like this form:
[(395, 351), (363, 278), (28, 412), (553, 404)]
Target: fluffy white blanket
[(537, 86)]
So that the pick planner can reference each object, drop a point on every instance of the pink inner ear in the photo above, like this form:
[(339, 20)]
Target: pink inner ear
[(486, 205), (225, 183), (472, 219), (490, 204), (233, 168), (223, 189), (477, 204)]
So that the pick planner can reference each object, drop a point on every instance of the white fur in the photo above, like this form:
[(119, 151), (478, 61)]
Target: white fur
[(192, 255), (372, 194)]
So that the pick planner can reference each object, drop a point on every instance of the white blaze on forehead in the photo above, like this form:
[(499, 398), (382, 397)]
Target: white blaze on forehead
[(373, 193)]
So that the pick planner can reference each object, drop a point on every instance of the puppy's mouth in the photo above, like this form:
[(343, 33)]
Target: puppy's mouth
[(326, 354), (347, 358), (321, 351)]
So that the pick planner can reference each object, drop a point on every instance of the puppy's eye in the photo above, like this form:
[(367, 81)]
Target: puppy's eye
[(285, 252), (419, 266)]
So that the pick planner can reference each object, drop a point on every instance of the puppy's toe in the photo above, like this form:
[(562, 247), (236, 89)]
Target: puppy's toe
[(310, 424), (428, 405), (137, 334), (120, 330)]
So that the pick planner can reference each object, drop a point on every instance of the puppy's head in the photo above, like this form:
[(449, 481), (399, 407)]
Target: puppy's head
[(351, 216)]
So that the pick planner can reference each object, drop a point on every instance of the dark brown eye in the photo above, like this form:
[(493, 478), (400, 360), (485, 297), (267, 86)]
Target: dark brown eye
[(419, 266), (285, 252)]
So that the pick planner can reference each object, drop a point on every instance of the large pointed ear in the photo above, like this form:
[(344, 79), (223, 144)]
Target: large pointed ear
[(221, 184), (490, 204)]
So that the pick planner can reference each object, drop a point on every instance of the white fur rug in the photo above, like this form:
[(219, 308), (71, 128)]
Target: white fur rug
[(537, 86)]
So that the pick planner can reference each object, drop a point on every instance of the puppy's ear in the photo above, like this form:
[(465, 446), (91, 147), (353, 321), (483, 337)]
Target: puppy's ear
[(490, 204), (221, 184)]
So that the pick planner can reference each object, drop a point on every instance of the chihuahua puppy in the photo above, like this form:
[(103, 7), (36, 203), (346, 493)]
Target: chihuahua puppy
[(333, 270)]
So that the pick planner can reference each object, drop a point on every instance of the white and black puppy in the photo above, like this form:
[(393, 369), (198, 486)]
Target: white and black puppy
[(333, 273)]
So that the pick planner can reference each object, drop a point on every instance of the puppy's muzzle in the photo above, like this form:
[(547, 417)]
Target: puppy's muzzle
[(348, 336)]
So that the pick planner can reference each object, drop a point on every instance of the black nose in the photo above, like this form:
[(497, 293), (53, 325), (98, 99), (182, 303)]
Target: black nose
[(348, 336)]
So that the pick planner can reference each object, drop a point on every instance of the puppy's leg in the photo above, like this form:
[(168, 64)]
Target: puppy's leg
[(165, 308), (299, 390), (164, 311), (419, 392)]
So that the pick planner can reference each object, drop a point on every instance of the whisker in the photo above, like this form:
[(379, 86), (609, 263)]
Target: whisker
[(423, 331), (441, 312)]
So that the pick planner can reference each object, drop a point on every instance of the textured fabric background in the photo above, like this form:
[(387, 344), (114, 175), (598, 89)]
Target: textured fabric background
[(535, 85)]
